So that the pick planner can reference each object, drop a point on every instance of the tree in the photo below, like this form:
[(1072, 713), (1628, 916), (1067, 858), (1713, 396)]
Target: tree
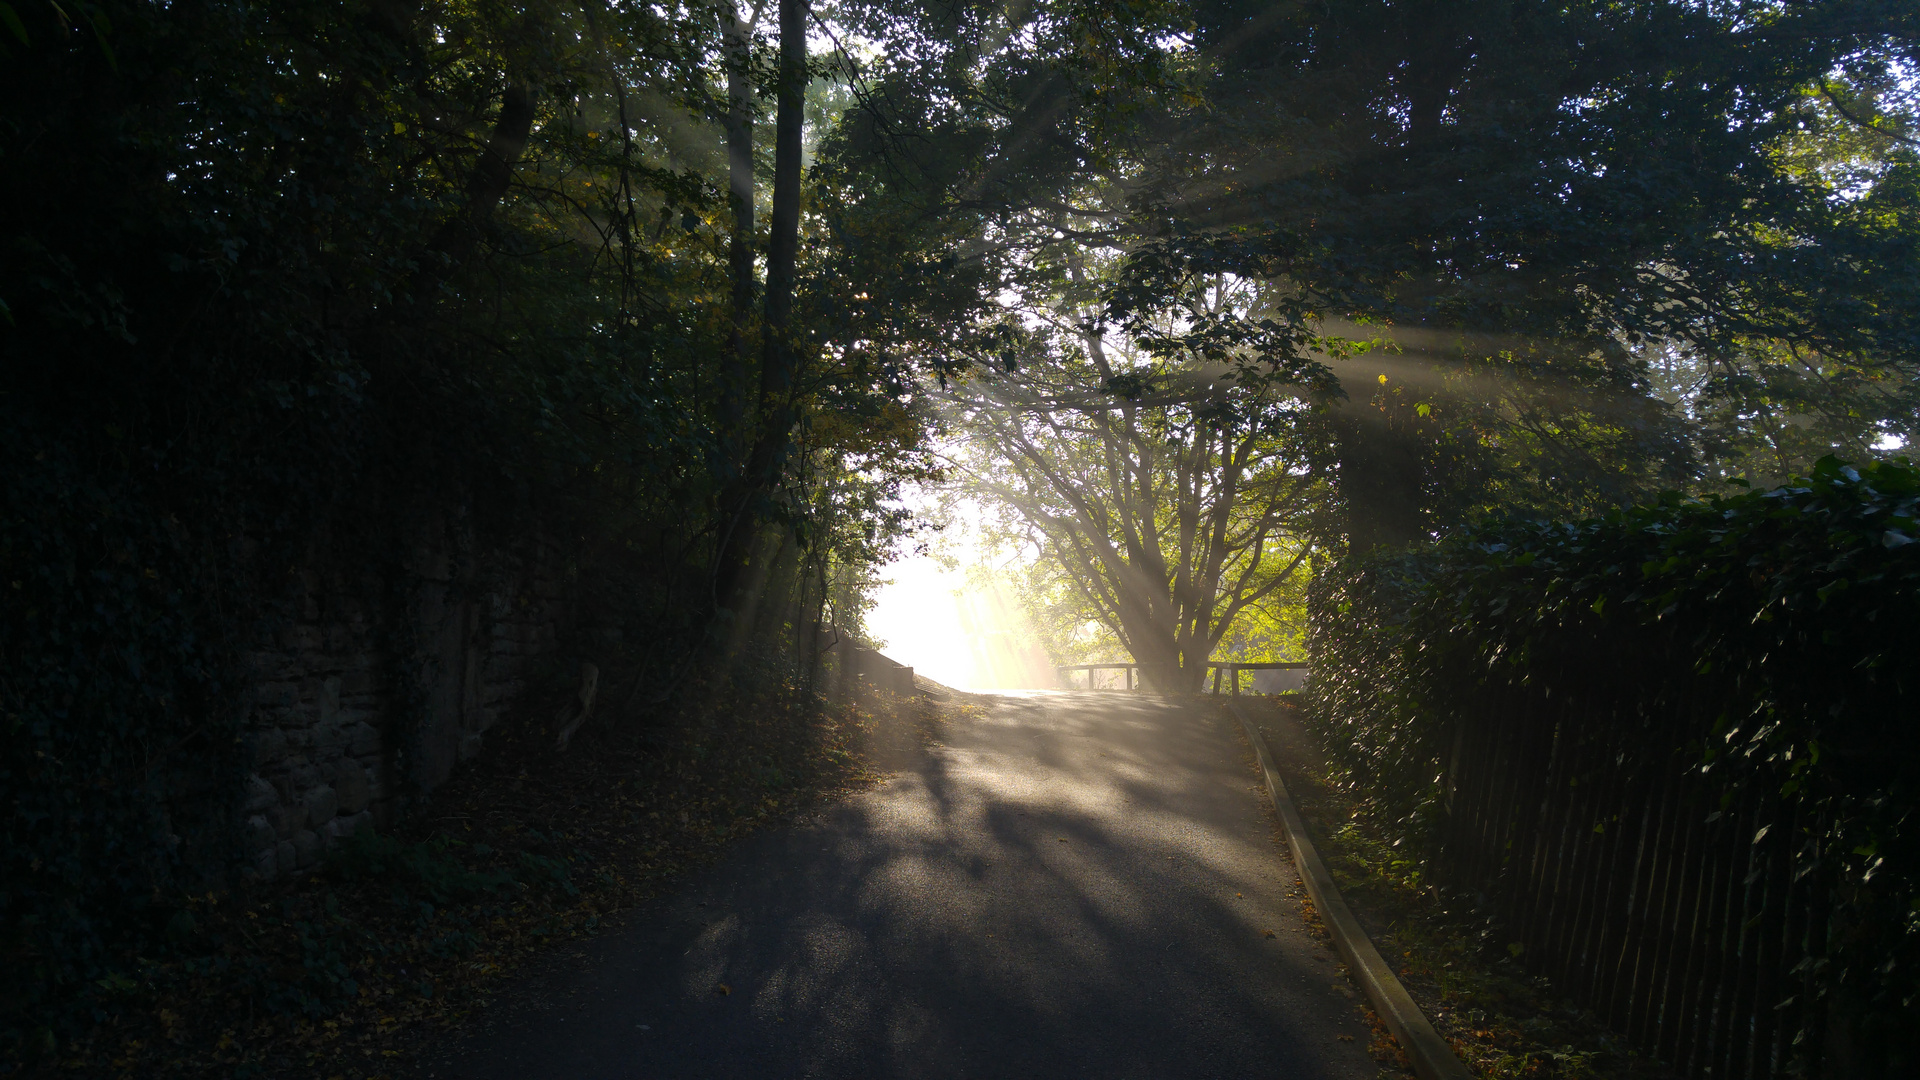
[(1512, 211), (744, 501), (289, 277), (1168, 491), (1592, 183)]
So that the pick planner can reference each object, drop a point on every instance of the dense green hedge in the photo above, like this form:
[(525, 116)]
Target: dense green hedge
[(1764, 638)]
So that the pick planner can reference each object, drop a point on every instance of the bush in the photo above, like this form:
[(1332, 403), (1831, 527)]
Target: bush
[(1762, 644)]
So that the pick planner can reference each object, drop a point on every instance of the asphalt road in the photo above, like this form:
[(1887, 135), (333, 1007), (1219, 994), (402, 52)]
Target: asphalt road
[(1072, 884)]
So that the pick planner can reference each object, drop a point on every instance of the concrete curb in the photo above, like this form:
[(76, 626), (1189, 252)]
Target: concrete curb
[(1432, 1058)]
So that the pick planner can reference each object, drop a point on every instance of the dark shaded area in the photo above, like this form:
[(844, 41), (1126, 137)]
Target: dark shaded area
[(1500, 1020), (1074, 884), (1666, 753)]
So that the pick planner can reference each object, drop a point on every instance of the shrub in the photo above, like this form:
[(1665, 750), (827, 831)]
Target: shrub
[(1760, 644)]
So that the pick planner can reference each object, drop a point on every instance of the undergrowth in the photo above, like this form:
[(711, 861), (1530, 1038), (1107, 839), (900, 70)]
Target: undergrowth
[(340, 972), (1503, 1023)]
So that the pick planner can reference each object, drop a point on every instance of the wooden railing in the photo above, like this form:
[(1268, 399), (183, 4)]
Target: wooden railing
[(1066, 680), (1232, 670), (1228, 670)]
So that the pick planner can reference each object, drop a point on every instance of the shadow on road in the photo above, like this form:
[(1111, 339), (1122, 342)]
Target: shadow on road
[(1072, 884)]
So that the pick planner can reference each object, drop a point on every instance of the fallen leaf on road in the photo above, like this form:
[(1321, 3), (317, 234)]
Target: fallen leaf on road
[(723, 988), (1269, 933)]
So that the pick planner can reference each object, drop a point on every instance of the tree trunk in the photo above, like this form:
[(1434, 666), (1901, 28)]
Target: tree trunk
[(778, 359), (491, 176), (1381, 481), (777, 355), (1164, 673), (738, 125)]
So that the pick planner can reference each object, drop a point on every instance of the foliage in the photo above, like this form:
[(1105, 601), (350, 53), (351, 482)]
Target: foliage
[(1502, 1023), (398, 932), (1764, 637), (1530, 211), (1547, 258), (1167, 489), (282, 283)]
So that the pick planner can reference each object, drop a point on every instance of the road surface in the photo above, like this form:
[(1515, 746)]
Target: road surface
[(1067, 885)]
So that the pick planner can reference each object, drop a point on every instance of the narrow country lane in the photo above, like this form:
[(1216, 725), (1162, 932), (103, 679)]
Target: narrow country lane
[(1073, 884)]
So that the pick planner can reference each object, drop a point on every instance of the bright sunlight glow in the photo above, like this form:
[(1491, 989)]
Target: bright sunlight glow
[(956, 629)]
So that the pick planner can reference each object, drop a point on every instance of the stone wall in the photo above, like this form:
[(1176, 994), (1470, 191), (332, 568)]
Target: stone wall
[(370, 692)]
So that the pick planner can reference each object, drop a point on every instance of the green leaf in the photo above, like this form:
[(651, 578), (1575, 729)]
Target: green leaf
[(13, 23)]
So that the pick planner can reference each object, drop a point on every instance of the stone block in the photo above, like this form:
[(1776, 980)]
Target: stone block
[(299, 778), (266, 746), (342, 827), (260, 834), (322, 803), (469, 747), (277, 694), (260, 794), (266, 864), (285, 856), (306, 848), (354, 791), (286, 819), (364, 741)]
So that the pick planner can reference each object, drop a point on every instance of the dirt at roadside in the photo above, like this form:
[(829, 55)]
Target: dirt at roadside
[(1503, 1023)]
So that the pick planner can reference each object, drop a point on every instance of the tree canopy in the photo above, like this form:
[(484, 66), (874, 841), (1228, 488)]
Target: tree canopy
[(1534, 258)]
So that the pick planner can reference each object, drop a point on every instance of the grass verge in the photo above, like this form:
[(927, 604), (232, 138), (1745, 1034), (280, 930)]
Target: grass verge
[(1503, 1023)]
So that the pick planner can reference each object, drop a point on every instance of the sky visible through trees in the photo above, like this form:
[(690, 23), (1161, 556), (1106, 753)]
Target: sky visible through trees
[(1536, 261), (724, 277)]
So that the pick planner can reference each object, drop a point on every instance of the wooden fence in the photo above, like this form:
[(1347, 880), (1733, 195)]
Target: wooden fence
[(1693, 929), (1229, 670), (1065, 674)]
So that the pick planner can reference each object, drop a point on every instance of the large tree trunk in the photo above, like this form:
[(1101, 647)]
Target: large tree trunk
[(1382, 486), (1166, 673), (738, 124), (778, 360), (777, 355)]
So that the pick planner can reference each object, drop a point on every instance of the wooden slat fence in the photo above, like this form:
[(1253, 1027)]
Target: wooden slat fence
[(1690, 927)]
